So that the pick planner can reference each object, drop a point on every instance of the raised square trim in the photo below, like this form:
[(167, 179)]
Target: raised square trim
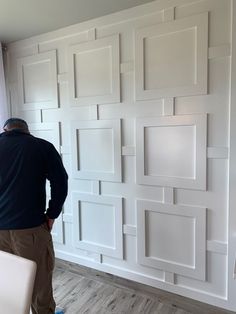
[(200, 24), (199, 216), (114, 96), (169, 14), (116, 202), (168, 106), (199, 180), (115, 126), (50, 56), (169, 277)]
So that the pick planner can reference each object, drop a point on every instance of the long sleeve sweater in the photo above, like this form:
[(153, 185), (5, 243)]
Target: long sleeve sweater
[(26, 162)]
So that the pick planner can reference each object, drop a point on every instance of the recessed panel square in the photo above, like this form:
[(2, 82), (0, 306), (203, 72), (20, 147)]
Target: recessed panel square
[(170, 151), (166, 238), (37, 77), (93, 71), (95, 150), (95, 233), (172, 238), (37, 82), (97, 224), (169, 60)]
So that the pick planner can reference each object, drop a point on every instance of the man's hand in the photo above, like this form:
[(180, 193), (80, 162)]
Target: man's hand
[(50, 223)]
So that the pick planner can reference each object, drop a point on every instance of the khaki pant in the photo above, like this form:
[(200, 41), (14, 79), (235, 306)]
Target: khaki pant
[(36, 245)]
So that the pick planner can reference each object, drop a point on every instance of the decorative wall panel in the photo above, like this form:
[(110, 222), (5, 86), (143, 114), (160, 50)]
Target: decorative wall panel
[(37, 77), (98, 224), (171, 151), (171, 58), (94, 72), (172, 238), (96, 150)]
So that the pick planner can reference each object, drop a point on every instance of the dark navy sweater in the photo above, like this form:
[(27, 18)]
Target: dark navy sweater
[(25, 164)]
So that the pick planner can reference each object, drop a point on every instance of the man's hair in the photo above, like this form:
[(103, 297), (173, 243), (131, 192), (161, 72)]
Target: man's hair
[(15, 123)]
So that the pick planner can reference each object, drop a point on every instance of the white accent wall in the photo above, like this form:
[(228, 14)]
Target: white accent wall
[(138, 105)]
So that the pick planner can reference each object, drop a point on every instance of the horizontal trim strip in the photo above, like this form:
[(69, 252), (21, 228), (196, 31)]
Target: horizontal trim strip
[(212, 246), (218, 152), (219, 51), (128, 151)]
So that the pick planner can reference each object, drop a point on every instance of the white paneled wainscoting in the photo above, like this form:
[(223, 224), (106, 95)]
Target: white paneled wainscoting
[(139, 104)]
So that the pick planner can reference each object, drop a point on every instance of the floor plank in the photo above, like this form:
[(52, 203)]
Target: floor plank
[(81, 290)]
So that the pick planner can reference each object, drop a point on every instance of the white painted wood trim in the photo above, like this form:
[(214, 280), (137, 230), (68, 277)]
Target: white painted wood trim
[(115, 126), (130, 230), (168, 195), (212, 245), (113, 96), (169, 14), (50, 56), (96, 187), (219, 51), (200, 123), (218, 152), (128, 151), (117, 204), (92, 34), (127, 67), (217, 247), (169, 277), (168, 108), (200, 22), (198, 214)]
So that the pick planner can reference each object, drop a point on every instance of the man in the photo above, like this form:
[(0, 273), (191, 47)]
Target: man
[(25, 224)]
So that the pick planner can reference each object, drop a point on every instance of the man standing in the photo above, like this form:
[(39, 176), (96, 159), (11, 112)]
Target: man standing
[(25, 223)]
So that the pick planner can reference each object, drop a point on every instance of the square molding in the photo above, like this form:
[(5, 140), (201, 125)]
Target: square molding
[(171, 151), (171, 58), (172, 238), (37, 77), (97, 224), (96, 150), (94, 72)]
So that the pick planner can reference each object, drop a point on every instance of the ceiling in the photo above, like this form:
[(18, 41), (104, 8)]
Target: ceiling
[(20, 19)]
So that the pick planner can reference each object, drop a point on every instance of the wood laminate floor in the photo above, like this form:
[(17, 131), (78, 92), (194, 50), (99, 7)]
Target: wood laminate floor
[(80, 290)]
